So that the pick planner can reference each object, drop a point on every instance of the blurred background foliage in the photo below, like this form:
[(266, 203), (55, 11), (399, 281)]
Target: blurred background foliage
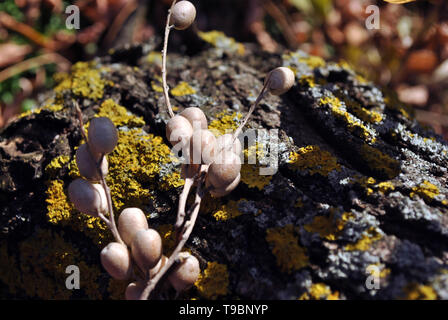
[(408, 53)]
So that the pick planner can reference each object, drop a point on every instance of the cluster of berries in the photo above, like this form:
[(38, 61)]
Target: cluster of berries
[(136, 244)]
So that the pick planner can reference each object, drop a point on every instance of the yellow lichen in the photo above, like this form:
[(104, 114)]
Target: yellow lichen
[(60, 211), (219, 40), (213, 281), (225, 122), (328, 227), (171, 180), (380, 162), (385, 187), (119, 115), (43, 261), (313, 61), (154, 57), (314, 160), (426, 190), (182, 89), (319, 291), (285, 247), (228, 211), (353, 124), (156, 87), (57, 163), (250, 172), (415, 291), (363, 244), (84, 80)]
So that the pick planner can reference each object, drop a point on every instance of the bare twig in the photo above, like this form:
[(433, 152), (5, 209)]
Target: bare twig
[(47, 58), (165, 48), (111, 221), (186, 234), (182, 202), (252, 108)]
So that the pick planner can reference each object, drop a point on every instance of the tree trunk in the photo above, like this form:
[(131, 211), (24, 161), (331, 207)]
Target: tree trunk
[(357, 209)]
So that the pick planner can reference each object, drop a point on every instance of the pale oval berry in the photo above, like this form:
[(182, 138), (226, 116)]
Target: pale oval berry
[(183, 15), (116, 259), (131, 221), (202, 146), (87, 198), (147, 249), (224, 170), (86, 162), (134, 291), (281, 79), (226, 143), (178, 130), (196, 118), (186, 273), (102, 135), (158, 266), (221, 192)]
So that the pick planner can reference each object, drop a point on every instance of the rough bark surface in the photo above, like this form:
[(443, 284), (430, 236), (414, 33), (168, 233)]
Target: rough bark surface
[(360, 190)]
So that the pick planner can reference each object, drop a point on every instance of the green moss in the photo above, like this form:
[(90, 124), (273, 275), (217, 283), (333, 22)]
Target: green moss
[(285, 247)]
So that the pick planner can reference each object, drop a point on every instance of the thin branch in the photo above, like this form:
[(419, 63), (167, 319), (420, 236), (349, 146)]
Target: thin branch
[(165, 48), (109, 222), (252, 108), (182, 202), (189, 228), (47, 58)]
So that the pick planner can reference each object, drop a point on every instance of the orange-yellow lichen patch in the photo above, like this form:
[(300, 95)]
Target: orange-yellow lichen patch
[(426, 190), (385, 187), (313, 160), (320, 291), (219, 40), (328, 227), (225, 122), (43, 262), (213, 281), (285, 247), (60, 211), (368, 238), (251, 172), (171, 180), (119, 115), (380, 162), (56, 164), (228, 211), (353, 124), (182, 89), (84, 80), (415, 291)]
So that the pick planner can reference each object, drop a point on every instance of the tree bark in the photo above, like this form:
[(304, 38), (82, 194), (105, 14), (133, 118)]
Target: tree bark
[(358, 208)]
